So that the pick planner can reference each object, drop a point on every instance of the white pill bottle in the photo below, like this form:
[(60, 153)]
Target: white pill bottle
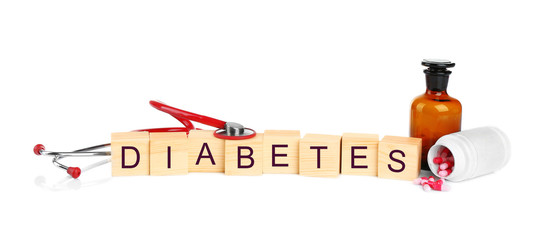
[(476, 152)]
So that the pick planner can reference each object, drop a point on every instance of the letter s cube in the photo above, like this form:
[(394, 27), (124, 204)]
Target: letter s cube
[(399, 157)]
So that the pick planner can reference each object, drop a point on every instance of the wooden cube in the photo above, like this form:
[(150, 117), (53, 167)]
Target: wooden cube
[(319, 155), (244, 157), (130, 153), (359, 154), (281, 151), (206, 152), (168, 153), (399, 157)]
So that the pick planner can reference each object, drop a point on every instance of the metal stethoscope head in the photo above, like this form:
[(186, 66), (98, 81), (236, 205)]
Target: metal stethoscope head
[(225, 130)]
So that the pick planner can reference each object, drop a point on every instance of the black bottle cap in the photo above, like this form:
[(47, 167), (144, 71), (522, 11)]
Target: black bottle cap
[(437, 73), (437, 63)]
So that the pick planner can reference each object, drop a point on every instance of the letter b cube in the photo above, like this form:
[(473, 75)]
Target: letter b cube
[(244, 157)]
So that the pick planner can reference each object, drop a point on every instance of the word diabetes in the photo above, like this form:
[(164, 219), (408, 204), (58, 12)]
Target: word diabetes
[(275, 151)]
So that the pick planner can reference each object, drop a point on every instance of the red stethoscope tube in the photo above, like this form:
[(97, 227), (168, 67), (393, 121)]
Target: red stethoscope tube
[(170, 129), (184, 116)]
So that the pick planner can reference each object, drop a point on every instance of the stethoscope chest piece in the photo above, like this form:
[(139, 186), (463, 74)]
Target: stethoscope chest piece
[(234, 131)]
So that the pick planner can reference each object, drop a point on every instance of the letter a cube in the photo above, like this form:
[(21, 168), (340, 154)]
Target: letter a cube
[(206, 152)]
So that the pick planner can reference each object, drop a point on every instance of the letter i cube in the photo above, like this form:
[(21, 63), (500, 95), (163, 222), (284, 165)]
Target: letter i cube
[(168, 153)]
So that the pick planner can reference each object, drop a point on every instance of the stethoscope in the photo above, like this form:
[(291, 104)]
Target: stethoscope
[(225, 130)]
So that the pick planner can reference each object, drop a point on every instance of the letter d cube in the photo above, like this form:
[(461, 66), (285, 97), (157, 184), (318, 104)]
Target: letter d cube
[(130, 153)]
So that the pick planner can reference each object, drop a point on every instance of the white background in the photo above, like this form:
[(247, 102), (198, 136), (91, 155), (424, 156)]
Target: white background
[(72, 72)]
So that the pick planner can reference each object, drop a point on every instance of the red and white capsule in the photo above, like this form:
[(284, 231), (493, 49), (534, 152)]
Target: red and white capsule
[(429, 183)]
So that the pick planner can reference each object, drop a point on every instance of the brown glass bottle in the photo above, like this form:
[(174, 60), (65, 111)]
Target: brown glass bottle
[(434, 113)]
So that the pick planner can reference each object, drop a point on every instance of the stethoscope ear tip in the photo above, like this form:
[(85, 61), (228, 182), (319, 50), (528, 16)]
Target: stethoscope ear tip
[(74, 172), (38, 148)]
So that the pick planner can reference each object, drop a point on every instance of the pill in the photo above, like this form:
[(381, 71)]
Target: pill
[(436, 186), (441, 187), (444, 154), (438, 160), (443, 166), (429, 183), (422, 180), (445, 173), (426, 187)]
